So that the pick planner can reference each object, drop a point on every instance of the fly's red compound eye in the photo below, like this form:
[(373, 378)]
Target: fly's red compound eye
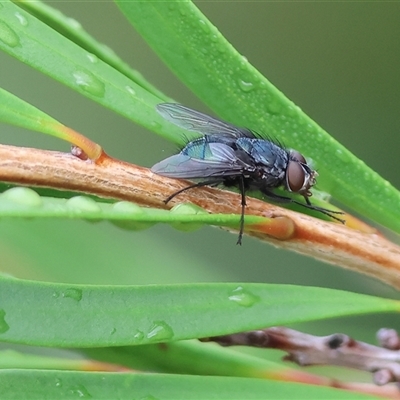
[(295, 155), (295, 176)]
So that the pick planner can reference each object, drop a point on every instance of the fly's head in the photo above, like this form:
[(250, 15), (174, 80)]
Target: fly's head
[(300, 178)]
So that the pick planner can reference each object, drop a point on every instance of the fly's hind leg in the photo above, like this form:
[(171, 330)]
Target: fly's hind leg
[(195, 185), (242, 189)]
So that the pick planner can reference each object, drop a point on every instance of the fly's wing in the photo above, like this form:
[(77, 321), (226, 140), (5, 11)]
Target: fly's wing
[(195, 121), (202, 160)]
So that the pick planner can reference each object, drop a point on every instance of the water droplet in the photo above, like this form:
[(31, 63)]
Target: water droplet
[(130, 90), (92, 58), (127, 207), (290, 111), (83, 203), (171, 7), (204, 26), (8, 36), (160, 332), (21, 18), (58, 382), (56, 295), (23, 196), (138, 336), (155, 125), (243, 297), (4, 327), (80, 391), (246, 86), (113, 331), (274, 107), (73, 293), (73, 23), (89, 83), (187, 208), (342, 155)]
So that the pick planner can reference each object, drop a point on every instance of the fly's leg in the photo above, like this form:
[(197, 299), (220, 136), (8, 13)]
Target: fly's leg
[(321, 210), (243, 193), (195, 185), (214, 182), (283, 199)]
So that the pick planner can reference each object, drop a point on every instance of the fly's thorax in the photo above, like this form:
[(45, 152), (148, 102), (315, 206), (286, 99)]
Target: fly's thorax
[(300, 178), (264, 152)]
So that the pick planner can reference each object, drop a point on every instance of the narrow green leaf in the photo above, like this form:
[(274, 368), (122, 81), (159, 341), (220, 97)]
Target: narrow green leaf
[(20, 384), (73, 31), (24, 202), (18, 112), (203, 59), (189, 357), (34, 43), (10, 359), (95, 316)]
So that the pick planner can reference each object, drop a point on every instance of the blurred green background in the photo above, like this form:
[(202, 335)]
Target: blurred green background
[(339, 62)]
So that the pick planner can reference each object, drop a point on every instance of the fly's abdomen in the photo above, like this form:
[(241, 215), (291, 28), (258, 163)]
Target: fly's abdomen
[(198, 149)]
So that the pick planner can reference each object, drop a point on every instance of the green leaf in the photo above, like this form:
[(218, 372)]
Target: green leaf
[(72, 30), (10, 359), (178, 357), (21, 384), (203, 59), (26, 203), (95, 316), (39, 46)]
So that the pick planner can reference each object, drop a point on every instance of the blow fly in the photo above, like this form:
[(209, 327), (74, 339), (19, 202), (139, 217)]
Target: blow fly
[(235, 157)]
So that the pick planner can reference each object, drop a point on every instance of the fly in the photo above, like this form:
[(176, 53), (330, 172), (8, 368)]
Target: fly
[(235, 157)]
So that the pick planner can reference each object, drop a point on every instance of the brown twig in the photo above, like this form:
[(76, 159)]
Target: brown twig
[(337, 349), (367, 253)]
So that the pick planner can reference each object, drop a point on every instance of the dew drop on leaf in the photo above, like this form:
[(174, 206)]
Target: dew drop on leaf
[(21, 18), (82, 203), (246, 86), (79, 391), (8, 36), (127, 207), (59, 383), (243, 297), (92, 58), (73, 23), (204, 26), (89, 83), (73, 293), (342, 155), (23, 196), (159, 332), (130, 90)]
